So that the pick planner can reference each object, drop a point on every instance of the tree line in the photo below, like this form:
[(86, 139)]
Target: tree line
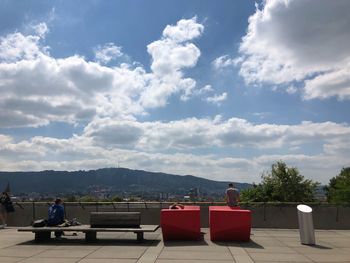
[(286, 184)]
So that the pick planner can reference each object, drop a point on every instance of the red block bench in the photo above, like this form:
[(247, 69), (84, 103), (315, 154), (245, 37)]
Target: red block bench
[(229, 223), (181, 224)]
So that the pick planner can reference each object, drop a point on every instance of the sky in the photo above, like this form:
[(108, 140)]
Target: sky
[(215, 89)]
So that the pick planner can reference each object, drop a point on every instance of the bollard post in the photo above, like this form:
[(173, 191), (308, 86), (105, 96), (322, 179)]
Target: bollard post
[(306, 225)]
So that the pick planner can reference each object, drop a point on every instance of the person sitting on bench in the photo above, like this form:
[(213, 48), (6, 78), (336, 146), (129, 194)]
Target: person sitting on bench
[(56, 216)]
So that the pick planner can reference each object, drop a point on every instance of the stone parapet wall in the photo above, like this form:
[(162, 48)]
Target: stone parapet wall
[(264, 215)]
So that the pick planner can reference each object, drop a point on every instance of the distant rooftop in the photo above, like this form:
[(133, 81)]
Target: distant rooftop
[(266, 245)]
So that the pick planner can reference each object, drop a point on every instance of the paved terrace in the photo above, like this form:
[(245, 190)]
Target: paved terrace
[(266, 245)]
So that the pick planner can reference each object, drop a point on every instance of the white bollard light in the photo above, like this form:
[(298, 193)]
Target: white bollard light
[(306, 225)]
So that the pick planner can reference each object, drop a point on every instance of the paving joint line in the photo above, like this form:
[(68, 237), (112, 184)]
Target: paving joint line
[(89, 254)]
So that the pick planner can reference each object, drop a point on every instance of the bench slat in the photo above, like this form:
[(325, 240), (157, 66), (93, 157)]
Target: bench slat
[(115, 219)]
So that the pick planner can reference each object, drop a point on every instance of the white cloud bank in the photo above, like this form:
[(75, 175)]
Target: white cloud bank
[(195, 133), (305, 41), (41, 153), (148, 145)]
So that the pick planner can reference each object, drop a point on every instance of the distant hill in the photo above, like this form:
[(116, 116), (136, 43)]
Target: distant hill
[(115, 179)]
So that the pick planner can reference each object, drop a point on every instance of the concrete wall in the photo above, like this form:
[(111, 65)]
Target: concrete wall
[(263, 215)]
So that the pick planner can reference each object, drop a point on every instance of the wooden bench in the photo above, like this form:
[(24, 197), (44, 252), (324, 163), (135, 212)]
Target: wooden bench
[(100, 222)]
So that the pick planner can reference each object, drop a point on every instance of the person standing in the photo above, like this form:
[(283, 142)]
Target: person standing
[(3, 213), (232, 195), (56, 216), (5, 207)]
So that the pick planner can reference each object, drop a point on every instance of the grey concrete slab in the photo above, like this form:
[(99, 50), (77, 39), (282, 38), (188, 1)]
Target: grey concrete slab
[(10, 259), (238, 251), (281, 257), (124, 252), (106, 260), (243, 259), (343, 232), (22, 252), (263, 242), (278, 249), (64, 253), (295, 242), (192, 261), (50, 260), (329, 257), (327, 233), (206, 248), (191, 255), (260, 233), (340, 242), (151, 254), (320, 250), (76, 247), (266, 245)]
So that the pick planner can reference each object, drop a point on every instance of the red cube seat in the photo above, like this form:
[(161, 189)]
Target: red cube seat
[(229, 223), (181, 224)]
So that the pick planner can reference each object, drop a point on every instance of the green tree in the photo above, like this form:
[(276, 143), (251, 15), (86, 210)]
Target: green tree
[(116, 199), (338, 190), (88, 198), (281, 184), (70, 198)]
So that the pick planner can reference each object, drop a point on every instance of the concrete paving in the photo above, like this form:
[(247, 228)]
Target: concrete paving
[(266, 245)]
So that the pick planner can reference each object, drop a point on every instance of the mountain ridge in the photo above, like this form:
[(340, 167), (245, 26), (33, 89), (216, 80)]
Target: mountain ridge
[(115, 179)]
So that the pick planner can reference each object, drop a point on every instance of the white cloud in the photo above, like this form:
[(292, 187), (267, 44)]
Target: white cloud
[(37, 89), (41, 29), (224, 62), (217, 99), (5, 139), (291, 90), (193, 133), (336, 83), (185, 30), (296, 40), (15, 47), (338, 146), (205, 89), (193, 92), (170, 55), (104, 54)]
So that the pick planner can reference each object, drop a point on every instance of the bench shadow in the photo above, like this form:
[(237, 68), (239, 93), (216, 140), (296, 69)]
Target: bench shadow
[(249, 244), (98, 242), (183, 243)]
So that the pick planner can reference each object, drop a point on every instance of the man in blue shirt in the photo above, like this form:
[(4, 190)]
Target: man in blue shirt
[(56, 216)]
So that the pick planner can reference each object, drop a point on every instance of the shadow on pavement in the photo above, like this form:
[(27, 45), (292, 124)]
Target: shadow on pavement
[(98, 242), (319, 246), (176, 243)]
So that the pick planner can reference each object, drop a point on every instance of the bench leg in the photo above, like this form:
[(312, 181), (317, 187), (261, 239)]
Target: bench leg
[(42, 236), (139, 236), (90, 236)]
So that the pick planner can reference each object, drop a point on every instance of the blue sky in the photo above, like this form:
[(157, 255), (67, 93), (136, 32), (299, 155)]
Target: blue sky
[(219, 90)]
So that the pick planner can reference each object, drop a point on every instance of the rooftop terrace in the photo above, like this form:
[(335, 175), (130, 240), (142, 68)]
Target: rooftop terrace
[(266, 245)]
